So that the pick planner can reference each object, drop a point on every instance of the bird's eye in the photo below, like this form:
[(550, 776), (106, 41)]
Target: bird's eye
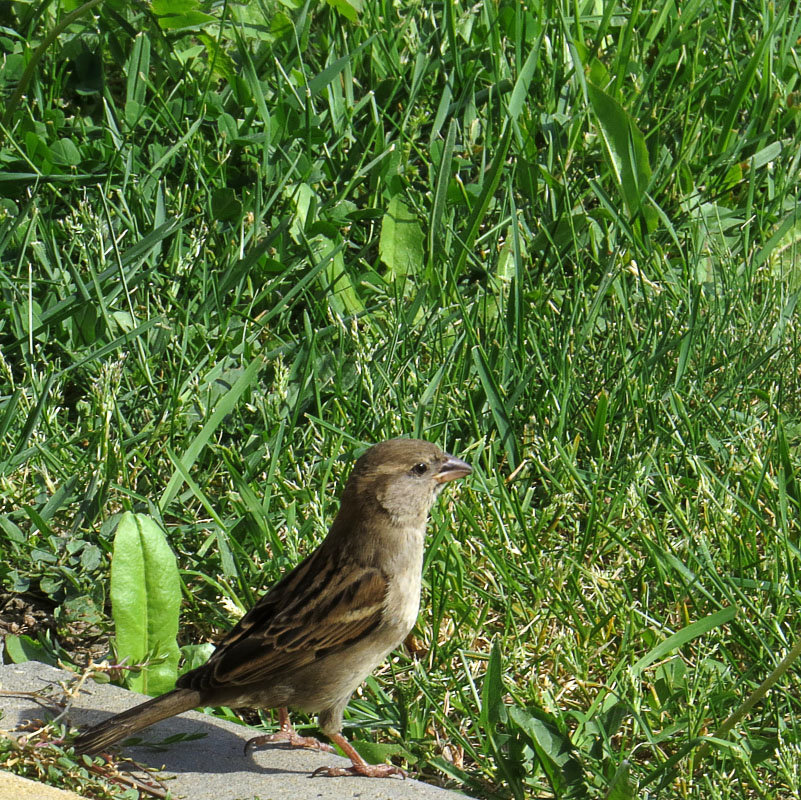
[(420, 469)]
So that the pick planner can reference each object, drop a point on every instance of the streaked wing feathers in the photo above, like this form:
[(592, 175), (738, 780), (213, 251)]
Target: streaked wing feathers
[(320, 607)]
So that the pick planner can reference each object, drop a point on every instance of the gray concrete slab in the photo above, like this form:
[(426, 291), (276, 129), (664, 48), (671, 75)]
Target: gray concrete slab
[(212, 767), (12, 787)]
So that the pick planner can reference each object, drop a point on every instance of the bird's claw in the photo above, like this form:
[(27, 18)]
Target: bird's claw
[(292, 738), (366, 770)]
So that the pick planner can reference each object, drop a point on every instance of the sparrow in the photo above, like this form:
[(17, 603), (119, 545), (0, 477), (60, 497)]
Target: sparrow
[(312, 639)]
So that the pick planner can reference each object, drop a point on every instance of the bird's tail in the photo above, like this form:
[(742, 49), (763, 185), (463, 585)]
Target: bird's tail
[(122, 725)]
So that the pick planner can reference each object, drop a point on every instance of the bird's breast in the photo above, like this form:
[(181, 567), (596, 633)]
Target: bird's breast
[(402, 602)]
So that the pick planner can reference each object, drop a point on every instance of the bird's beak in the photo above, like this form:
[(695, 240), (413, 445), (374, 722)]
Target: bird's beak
[(451, 469)]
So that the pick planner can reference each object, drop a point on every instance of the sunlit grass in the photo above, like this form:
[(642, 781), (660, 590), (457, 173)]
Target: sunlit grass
[(256, 246)]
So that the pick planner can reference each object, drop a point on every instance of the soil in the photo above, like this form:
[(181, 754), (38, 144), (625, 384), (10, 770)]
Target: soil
[(78, 641)]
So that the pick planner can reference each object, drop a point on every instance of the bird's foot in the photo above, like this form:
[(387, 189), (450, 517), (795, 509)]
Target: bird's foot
[(286, 733), (358, 766), (367, 770), (291, 737)]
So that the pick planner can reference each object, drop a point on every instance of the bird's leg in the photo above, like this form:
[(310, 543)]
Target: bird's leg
[(358, 765), (286, 733)]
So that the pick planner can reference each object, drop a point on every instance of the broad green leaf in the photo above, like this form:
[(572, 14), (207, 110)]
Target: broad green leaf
[(138, 72), (625, 150), (11, 530), (520, 91), (195, 655), (380, 753), (764, 156), (22, 648), (65, 153), (177, 14), (222, 63), (554, 750), (401, 243), (492, 707), (303, 199), (225, 204), (621, 787), (336, 282), (350, 9), (145, 601)]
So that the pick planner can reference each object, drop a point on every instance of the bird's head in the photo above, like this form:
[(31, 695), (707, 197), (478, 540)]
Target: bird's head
[(403, 477)]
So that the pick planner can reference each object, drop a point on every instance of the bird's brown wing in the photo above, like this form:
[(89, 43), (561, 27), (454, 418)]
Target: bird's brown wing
[(320, 607)]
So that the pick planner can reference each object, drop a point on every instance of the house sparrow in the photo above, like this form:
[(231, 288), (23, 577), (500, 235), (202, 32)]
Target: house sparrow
[(316, 635)]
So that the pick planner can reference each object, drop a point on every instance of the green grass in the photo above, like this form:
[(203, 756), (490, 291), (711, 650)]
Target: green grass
[(560, 240)]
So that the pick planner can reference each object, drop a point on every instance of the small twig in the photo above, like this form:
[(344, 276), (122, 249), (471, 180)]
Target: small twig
[(156, 789)]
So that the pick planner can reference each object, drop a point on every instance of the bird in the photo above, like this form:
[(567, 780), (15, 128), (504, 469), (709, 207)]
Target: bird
[(312, 639)]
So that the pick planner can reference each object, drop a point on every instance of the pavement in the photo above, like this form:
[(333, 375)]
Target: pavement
[(212, 767), (12, 787)]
